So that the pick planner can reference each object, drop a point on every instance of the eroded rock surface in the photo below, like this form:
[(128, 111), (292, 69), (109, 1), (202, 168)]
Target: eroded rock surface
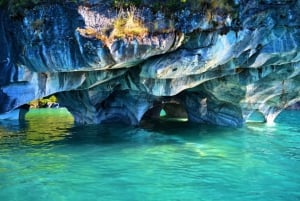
[(220, 71)]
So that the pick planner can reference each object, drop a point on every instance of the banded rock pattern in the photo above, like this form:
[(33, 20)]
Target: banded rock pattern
[(219, 71)]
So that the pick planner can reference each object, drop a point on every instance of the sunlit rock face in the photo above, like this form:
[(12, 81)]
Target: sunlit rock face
[(220, 72)]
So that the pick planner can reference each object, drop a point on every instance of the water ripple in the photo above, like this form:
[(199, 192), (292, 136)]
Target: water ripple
[(49, 158)]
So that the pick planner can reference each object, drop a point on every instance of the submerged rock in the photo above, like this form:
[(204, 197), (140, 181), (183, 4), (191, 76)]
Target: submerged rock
[(220, 70)]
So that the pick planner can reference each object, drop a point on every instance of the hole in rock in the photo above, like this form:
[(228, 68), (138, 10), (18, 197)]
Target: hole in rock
[(256, 117), (292, 110), (20, 112), (47, 111), (46, 102), (166, 111), (48, 105)]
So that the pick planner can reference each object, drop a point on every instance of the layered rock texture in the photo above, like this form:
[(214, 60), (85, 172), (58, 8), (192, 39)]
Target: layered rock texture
[(216, 70)]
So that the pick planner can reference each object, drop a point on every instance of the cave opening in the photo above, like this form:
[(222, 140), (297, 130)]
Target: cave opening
[(21, 112), (256, 117), (45, 102), (37, 105), (171, 111), (48, 107), (292, 108)]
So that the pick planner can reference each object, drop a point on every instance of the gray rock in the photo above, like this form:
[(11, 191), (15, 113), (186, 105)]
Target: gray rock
[(217, 71)]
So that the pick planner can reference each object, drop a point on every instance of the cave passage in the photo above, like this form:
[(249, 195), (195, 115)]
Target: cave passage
[(256, 117), (169, 111)]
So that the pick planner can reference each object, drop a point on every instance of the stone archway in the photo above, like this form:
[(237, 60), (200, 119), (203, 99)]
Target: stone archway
[(290, 105), (173, 110), (152, 113), (256, 116)]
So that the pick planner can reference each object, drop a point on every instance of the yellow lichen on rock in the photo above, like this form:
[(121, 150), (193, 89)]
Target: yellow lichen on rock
[(127, 24)]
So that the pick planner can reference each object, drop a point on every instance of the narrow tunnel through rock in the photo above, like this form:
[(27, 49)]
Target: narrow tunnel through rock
[(256, 117), (166, 111)]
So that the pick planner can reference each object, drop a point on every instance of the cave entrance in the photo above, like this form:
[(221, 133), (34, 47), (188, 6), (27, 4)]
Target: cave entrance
[(47, 107), (167, 111), (256, 117), (46, 102), (292, 108)]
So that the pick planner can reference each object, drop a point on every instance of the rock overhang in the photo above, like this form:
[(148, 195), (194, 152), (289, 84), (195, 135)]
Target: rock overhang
[(220, 73)]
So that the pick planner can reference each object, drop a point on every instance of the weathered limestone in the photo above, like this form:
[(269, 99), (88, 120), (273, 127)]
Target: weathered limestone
[(17, 114), (217, 71)]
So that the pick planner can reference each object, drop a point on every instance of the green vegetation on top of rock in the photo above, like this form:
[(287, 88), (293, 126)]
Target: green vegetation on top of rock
[(168, 7), (172, 6), (43, 102), (17, 7)]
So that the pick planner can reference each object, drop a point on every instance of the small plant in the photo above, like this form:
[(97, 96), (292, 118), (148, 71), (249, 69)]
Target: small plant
[(127, 24), (16, 8), (43, 102), (120, 4), (93, 33), (3, 3)]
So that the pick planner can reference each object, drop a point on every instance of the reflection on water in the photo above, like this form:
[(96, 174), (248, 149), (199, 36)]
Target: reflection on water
[(47, 125), (40, 126), (48, 158)]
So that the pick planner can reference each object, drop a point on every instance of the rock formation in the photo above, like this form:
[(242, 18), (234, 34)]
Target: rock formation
[(219, 69)]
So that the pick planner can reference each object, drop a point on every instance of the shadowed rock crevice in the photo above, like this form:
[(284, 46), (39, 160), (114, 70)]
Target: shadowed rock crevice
[(171, 109)]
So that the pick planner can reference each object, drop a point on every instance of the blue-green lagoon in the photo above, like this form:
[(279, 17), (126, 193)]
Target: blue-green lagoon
[(49, 158)]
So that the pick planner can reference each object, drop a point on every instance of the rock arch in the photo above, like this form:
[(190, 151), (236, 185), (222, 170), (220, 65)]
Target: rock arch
[(218, 77), (173, 108), (255, 116)]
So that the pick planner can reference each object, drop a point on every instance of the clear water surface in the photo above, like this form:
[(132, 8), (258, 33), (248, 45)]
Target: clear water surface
[(49, 158)]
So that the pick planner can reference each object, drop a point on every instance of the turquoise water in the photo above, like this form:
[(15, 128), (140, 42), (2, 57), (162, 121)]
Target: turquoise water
[(49, 158)]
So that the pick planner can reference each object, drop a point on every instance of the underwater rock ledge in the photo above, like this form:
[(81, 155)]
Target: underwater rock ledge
[(219, 69)]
